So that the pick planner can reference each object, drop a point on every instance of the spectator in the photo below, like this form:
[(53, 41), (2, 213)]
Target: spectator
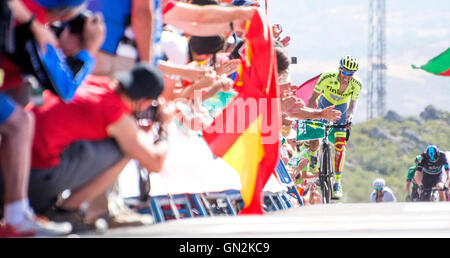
[(61, 70), (16, 134), (131, 25), (86, 152), (64, 80), (290, 104)]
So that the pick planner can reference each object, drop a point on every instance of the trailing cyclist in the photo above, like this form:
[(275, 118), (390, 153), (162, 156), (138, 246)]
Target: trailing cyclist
[(412, 194), (381, 192), (336, 88), (429, 170)]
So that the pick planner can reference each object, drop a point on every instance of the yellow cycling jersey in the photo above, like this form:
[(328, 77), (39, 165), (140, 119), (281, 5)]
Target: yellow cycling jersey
[(328, 84)]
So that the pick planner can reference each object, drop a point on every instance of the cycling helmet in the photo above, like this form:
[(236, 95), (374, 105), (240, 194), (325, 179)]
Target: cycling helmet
[(432, 152), (417, 159), (379, 183), (349, 63)]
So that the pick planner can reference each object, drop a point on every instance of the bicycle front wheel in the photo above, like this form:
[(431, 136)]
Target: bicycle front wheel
[(325, 182)]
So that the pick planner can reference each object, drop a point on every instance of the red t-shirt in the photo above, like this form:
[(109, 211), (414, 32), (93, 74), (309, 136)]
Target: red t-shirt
[(58, 124)]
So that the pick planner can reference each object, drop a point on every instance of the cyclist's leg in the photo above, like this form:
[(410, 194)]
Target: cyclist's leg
[(414, 193), (428, 181), (440, 184), (315, 144), (339, 147)]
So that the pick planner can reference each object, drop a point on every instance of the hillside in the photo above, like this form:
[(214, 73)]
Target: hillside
[(386, 146)]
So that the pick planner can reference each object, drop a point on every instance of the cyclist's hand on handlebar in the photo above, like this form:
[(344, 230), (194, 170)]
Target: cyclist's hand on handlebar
[(349, 117), (440, 185), (330, 114)]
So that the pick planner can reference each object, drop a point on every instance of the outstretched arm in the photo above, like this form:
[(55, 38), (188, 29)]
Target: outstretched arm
[(207, 14), (207, 20)]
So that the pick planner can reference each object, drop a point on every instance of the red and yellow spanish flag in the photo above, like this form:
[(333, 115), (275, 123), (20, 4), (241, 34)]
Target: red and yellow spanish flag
[(246, 134)]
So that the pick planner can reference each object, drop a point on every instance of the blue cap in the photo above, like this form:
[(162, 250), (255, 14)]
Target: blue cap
[(60, 3), (245, 2)]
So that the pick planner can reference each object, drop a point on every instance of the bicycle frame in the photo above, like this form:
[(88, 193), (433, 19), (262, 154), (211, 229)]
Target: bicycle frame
[(326, 171), (431, 194)]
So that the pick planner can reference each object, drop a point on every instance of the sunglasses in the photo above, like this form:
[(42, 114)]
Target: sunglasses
[(346, 73), (379, 189)]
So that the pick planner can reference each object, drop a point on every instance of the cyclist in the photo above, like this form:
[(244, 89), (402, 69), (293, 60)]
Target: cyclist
[(429, 170), (382, 193), (412, 194), (335, 88)]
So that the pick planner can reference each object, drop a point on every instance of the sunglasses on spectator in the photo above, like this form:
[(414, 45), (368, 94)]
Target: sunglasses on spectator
[(379, 189)]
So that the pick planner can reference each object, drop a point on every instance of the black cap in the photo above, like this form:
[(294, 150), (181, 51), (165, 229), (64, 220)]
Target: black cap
[(144, 81)]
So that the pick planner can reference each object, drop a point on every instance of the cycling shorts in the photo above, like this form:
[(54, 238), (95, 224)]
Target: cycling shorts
[(7, 107), (430, 180)]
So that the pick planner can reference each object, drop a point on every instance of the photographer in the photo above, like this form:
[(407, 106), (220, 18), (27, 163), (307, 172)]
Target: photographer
[(47, 62), (16, 135), (84, 145)]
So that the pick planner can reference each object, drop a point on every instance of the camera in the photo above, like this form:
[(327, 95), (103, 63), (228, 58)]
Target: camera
[(293, 60), (146, 117), (75, 24)]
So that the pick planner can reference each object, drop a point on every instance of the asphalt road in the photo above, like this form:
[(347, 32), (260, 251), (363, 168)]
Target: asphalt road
[(334, 220)]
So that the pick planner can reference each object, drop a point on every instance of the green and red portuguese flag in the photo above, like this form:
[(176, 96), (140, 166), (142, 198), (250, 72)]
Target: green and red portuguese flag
[(246, 133), (440, 65)]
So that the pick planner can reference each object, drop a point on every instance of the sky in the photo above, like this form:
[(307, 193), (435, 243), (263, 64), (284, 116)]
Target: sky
[(322, 31)]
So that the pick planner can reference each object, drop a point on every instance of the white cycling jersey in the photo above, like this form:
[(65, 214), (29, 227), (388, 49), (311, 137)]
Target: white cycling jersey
[(388, 195)]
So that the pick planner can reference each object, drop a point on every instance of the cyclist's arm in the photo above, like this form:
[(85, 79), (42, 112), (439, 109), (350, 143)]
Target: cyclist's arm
[(351, 109), (418, 176), (408, 187), (447, 171), (317, 90), (312, 100)]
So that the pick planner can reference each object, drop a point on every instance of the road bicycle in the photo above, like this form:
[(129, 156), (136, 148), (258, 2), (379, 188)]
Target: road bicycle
[(431, 194), (326, 169)]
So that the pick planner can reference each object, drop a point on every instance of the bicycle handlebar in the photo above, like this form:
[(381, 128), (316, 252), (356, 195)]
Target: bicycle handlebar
[(445, 188), (332, 125)]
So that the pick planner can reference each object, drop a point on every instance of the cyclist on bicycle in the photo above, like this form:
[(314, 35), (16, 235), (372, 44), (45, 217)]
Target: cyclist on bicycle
[(382, 193), (429, 170), (412, 194), (335, 88)]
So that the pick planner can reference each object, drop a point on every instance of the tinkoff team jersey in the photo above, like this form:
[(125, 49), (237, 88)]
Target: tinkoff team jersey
[(328, 84)]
